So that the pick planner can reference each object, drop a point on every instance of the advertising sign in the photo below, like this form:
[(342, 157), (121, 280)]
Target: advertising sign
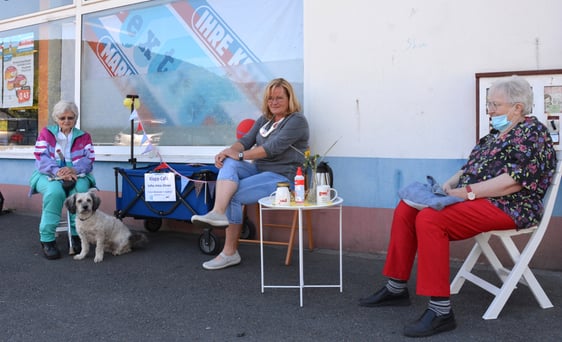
[(195, 62), (18, 71)]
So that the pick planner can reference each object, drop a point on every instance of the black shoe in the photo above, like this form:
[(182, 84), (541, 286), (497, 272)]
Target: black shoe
[(386, 298), (430, 324), (76, 244), (50, 250)]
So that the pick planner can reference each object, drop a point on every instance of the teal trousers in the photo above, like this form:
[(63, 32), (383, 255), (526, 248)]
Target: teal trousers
[(53, 202)]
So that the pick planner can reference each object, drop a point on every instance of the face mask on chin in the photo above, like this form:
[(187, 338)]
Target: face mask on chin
[(500, 122)]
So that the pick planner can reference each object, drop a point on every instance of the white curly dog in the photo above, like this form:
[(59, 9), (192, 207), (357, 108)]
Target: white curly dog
[(107, 232)]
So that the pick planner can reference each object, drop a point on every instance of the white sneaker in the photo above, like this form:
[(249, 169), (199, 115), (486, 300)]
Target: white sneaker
[(211, 219), (222, 261)]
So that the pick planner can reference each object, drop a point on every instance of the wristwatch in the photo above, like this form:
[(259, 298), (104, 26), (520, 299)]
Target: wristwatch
[(241, 156), (470, 195)]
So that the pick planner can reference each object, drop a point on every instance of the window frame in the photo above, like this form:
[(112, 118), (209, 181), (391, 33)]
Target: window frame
[(199, 154)]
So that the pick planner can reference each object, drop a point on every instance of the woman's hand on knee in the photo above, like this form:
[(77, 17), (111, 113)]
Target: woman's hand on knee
[(219, 159)]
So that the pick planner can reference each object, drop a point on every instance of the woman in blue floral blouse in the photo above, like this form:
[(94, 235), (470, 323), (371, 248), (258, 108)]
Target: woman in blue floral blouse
[(502, 184)]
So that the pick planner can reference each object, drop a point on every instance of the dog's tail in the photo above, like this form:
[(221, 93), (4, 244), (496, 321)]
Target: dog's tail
[(138, 239)]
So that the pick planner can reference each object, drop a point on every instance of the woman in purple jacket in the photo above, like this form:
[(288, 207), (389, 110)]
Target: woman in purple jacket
[(64, 158)]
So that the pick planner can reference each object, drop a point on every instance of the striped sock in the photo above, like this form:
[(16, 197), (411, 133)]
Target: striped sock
[(396, 286), (441, 306)]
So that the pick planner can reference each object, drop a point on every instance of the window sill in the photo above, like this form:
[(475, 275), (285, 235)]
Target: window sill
[(172, 154)]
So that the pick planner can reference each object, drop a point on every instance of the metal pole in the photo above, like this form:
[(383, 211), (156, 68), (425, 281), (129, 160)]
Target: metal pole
[(133, 160)]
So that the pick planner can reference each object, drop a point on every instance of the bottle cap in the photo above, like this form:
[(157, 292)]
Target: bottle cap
[(299, 171)]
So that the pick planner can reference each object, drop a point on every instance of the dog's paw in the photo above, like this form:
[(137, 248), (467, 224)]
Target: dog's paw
[(96, 259), (79, 257)]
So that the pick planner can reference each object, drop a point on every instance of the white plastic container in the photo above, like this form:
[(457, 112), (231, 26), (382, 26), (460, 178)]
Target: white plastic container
[(299, 187)]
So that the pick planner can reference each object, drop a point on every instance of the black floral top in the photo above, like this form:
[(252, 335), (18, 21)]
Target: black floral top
[(527, 155)]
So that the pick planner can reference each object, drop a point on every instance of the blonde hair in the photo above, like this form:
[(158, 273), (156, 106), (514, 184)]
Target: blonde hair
[(294, 105)]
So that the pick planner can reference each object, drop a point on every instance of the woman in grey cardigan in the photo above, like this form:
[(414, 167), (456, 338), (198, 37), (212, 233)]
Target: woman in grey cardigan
[(272, 146)]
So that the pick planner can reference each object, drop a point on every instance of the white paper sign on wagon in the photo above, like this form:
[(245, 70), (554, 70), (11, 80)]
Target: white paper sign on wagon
[(159, 187)]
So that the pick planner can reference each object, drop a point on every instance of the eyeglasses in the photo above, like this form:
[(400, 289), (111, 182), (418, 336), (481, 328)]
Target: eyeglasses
[(276, 99), (495, 105), (69, 118)]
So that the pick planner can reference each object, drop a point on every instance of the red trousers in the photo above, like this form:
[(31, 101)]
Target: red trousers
[(428, 233)]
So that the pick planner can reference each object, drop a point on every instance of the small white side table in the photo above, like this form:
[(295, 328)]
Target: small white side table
[(266, 204)]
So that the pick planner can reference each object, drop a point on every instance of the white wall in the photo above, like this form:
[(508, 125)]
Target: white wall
[(396, 78)]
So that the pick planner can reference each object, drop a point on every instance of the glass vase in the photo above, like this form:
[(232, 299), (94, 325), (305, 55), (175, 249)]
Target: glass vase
[(312, 183)]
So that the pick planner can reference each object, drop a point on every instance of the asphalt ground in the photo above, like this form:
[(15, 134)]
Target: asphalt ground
[(161, 293)]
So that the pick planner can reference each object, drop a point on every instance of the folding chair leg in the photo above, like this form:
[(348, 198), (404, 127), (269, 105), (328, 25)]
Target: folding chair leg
[(519, 273), (527, 277), (466, 268), (507, 288), (537, 290), (294, 228), (70, 245)]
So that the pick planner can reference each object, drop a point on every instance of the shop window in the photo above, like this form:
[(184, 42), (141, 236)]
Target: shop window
[(15, 8), (37, 71), (199, 67)]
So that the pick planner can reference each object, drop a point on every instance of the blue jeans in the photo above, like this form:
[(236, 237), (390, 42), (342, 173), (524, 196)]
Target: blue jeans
[(252, 185)]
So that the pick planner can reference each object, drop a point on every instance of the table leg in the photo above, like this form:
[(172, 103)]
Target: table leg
[(301, 284), (261, 247), (301, 268), (341, 250)]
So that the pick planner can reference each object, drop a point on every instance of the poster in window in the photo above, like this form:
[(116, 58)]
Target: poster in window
[(1, 59), (199, 66), (552, 99), (552, 104), (18, 71)]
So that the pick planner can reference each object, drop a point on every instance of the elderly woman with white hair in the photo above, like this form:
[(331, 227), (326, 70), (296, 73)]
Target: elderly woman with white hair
[(64, 158), (501, 186)]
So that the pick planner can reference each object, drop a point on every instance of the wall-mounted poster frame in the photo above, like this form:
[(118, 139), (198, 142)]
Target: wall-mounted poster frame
[(547, 91)]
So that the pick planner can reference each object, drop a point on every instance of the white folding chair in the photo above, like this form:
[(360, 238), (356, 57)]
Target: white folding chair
[(64, 225), (520, 272)]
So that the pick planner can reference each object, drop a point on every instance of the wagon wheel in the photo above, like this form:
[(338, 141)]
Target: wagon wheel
[(248, 229), (152, 224), (209, 243)]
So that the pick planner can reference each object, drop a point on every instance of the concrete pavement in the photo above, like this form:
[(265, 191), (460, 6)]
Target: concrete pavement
[(161, 293)]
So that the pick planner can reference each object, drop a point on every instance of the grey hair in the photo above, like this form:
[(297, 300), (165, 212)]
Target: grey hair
[(516, 90), (62, 107)]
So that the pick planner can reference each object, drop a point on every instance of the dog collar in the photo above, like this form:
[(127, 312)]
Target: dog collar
[(81, 219)]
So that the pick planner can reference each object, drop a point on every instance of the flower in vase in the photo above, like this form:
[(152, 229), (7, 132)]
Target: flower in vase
[(310, 164), (311, 161)]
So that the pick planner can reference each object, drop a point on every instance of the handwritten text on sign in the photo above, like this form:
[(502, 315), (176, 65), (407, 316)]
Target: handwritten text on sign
[(159, 187)]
